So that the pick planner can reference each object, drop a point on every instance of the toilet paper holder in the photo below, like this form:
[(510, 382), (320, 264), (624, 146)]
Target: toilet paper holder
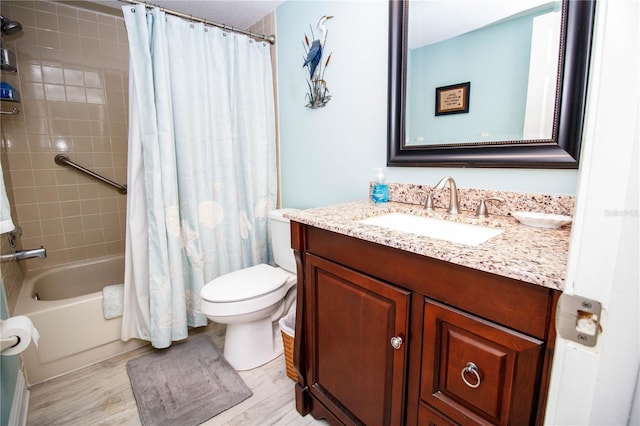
[(16, 335), (9, 341)]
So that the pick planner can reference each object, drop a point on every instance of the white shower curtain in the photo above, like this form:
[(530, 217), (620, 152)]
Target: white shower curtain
[(202, 167)]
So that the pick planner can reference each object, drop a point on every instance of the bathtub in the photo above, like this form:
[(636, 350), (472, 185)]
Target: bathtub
[(65, 305)]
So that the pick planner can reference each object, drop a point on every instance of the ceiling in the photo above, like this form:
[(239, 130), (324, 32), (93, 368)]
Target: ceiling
[(237, 13), (431, 21), (437, 19)]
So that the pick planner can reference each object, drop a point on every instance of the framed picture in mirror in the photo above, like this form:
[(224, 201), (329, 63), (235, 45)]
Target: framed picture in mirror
[(453, 99)]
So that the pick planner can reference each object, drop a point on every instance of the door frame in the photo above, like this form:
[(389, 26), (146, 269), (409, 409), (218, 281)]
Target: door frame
[(597, 385)]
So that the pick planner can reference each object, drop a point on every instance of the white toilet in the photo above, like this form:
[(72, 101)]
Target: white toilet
[(250, 300)]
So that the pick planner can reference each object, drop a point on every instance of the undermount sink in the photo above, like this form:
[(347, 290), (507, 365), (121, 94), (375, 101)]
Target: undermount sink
[(455, 232)]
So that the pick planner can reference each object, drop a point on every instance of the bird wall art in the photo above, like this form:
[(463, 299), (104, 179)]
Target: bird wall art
[(318, 94)]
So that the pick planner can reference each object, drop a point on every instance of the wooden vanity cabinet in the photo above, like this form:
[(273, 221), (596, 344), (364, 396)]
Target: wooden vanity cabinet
[(385, 336)]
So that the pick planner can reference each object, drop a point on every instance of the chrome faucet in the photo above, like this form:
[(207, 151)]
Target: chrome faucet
[(453, 194), (24, 254)]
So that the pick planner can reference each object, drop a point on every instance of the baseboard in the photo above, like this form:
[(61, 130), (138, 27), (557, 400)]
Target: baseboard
[(20, 405)]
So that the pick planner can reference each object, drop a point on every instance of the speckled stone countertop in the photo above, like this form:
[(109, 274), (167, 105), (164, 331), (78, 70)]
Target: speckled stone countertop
[(530, 254)]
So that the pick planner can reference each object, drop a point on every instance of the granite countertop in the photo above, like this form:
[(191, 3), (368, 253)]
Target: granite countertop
[(529, 254)]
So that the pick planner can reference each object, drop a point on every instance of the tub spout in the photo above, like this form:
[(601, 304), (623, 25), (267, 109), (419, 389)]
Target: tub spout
[(29, 254), (24, 254)]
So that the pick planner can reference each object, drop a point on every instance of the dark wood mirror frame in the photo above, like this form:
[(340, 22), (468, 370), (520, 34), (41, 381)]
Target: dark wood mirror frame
[(562, 151)]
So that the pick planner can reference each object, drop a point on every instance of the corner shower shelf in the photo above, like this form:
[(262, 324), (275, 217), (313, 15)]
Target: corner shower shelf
[(8, 93), (7, 60)]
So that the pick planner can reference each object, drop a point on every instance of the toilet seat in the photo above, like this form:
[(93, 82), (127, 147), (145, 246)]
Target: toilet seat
[(245, 284)]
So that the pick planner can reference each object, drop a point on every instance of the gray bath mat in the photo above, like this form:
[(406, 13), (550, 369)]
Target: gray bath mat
[(186, 384)]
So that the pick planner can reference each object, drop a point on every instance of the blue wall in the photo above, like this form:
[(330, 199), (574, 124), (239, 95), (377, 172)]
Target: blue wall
[(495, 60), (328, 154), (9, 366)]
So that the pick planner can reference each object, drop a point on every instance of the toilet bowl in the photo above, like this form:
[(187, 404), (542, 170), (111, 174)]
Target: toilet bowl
[(250, 301)]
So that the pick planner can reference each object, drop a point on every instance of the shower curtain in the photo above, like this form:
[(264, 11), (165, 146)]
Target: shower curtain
[(202, 167)]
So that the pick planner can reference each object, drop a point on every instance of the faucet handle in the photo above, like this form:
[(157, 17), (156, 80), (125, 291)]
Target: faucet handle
[(14, 235), (482, 210), (428, 204)]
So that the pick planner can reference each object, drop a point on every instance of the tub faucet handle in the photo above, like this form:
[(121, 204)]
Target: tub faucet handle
[(14, 235)]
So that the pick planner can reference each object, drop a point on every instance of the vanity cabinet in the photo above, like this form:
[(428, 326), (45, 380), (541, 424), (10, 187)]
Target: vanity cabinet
[(388, 337)]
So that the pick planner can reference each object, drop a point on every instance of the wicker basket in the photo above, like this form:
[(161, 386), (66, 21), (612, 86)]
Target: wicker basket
[(287, 331)]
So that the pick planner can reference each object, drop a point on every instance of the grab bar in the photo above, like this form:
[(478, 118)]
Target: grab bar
[(63, 160), (14, 111)]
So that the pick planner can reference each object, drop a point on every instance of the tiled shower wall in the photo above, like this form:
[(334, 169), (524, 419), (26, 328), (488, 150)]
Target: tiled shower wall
[(73, 79)]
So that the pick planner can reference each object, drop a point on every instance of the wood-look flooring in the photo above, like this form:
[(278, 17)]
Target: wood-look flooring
[(101, 395)]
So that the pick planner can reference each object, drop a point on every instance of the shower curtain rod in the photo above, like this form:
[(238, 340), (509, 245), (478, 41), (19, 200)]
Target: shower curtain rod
[(270, 38)]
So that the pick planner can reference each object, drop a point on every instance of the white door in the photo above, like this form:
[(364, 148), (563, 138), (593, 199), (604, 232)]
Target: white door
[(597, 386)]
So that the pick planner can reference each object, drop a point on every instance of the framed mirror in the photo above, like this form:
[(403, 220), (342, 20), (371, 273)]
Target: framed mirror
[(447, 109)]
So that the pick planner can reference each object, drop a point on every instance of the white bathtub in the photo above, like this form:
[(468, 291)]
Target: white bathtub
[(68, 316)]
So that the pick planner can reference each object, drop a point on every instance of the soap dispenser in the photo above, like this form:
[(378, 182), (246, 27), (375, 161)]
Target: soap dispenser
[(380, 189)]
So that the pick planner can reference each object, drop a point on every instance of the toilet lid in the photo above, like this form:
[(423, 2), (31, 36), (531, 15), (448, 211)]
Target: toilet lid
[(244, 284)]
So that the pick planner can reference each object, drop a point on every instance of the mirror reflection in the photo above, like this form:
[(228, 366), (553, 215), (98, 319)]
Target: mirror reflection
[(481, 71)]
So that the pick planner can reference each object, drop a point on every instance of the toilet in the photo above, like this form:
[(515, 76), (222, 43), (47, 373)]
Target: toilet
[(250, 301)]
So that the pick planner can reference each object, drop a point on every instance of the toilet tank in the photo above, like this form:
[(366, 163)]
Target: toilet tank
[(280, 230)]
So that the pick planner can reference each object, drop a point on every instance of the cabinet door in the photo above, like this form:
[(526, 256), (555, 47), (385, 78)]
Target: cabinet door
[(477, 372), (357, 348)]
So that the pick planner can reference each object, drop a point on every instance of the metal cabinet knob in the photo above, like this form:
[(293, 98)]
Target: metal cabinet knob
[(396, 342), (472, 369)]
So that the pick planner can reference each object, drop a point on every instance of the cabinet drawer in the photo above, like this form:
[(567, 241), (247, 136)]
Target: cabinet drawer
[(427, 416), (475, 371)]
